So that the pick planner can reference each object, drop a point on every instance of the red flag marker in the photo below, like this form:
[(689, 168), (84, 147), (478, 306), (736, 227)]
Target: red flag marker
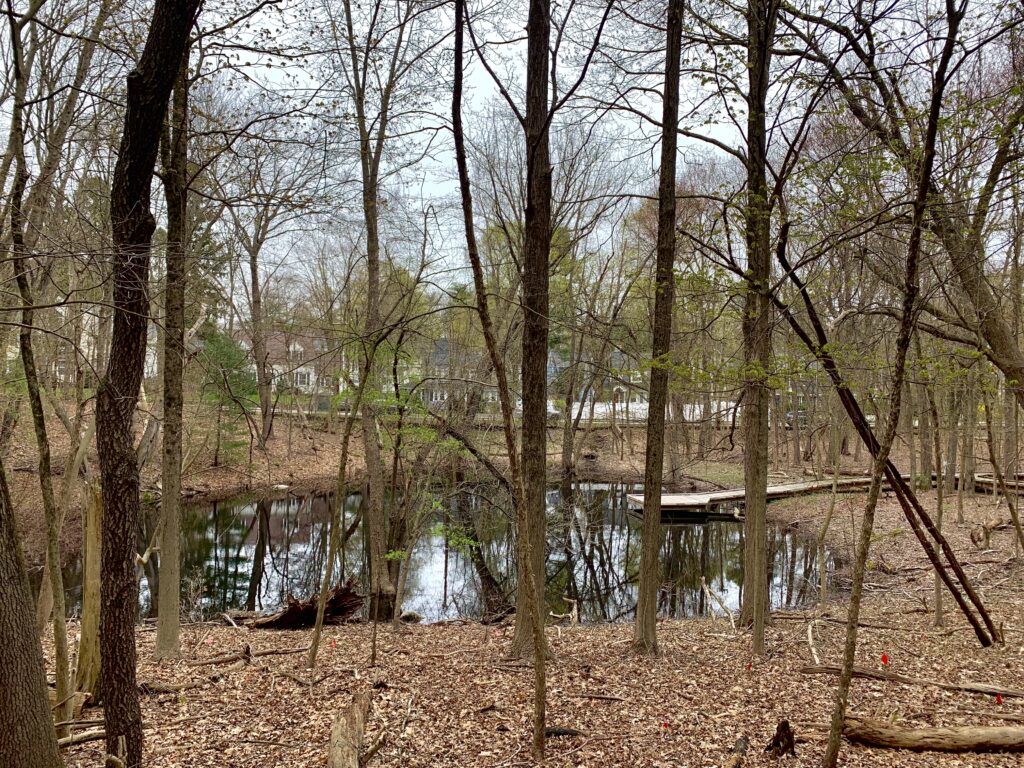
[(999, 698), (885, 658)]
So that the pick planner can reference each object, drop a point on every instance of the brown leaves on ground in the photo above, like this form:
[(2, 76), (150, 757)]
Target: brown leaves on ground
[(446, 694)]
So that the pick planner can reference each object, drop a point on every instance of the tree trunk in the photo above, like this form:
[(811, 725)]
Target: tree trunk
[(149, 86), (933, 417), (335, 543), (87, 672), (928, 426), (382, 588), (51, 514), (1010, 421), (908, 415), (757, 323), (529, 628), (27, 738), (537, 48), (264, 374), (176, 189), (20, 254), (645, 639), (952, 440)]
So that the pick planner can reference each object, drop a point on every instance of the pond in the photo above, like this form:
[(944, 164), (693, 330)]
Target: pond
[(250, 553)]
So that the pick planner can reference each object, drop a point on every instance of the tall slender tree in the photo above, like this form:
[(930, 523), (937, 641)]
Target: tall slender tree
[(526, 561), (644, 630), (534, 362), (757, 320), (175, 178), (26, 345), (149, 87)]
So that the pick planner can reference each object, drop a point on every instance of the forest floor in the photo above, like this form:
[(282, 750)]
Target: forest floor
[(446, 695)]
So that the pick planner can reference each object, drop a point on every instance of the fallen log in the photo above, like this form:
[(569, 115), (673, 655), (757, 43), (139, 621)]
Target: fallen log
[(873, 674), (347, 734), (342, 604), (82, 738), (246, 655), (154, 688), (956, 739)]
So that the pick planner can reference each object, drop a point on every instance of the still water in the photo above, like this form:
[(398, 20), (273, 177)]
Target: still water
[(249, 554)]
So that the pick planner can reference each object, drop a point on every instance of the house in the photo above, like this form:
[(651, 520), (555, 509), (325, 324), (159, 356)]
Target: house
[(450, 374), (302, 359)]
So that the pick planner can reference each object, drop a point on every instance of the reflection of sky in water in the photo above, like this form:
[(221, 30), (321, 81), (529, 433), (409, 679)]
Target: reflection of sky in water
[(252, 554)]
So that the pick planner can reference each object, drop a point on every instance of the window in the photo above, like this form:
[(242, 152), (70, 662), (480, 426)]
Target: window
[(302, 378)]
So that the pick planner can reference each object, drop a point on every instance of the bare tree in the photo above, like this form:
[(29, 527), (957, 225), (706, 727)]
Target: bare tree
[(383, 52), (757, 320), (149, 87), (645, 628), (175, 179), (28, 359)]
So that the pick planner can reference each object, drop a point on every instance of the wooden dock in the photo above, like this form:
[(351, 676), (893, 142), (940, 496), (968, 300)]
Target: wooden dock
[(711, 500), (985, 482), (726, 505)]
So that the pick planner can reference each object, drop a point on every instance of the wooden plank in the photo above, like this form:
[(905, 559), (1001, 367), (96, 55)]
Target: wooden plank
[(706, 501)]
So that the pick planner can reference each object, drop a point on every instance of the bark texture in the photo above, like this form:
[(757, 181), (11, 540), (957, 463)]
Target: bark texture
[(87, 671), (644, 629), (347, 734), (757, 322), (529, 628), (27, 738), (176, 191), (149, 87), (975, 738), (536, 255)]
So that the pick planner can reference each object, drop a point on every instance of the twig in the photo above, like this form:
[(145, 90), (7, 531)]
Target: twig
[(374, 749), (405, 723), (65, 700), (721, 603), (871, 674), (598, 696), (268, 742)]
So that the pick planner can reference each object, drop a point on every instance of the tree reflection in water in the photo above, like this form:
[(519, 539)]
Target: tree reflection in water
[(251, 554)]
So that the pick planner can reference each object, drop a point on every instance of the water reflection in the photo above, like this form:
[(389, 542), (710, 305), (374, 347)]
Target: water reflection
[(250, 554)]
